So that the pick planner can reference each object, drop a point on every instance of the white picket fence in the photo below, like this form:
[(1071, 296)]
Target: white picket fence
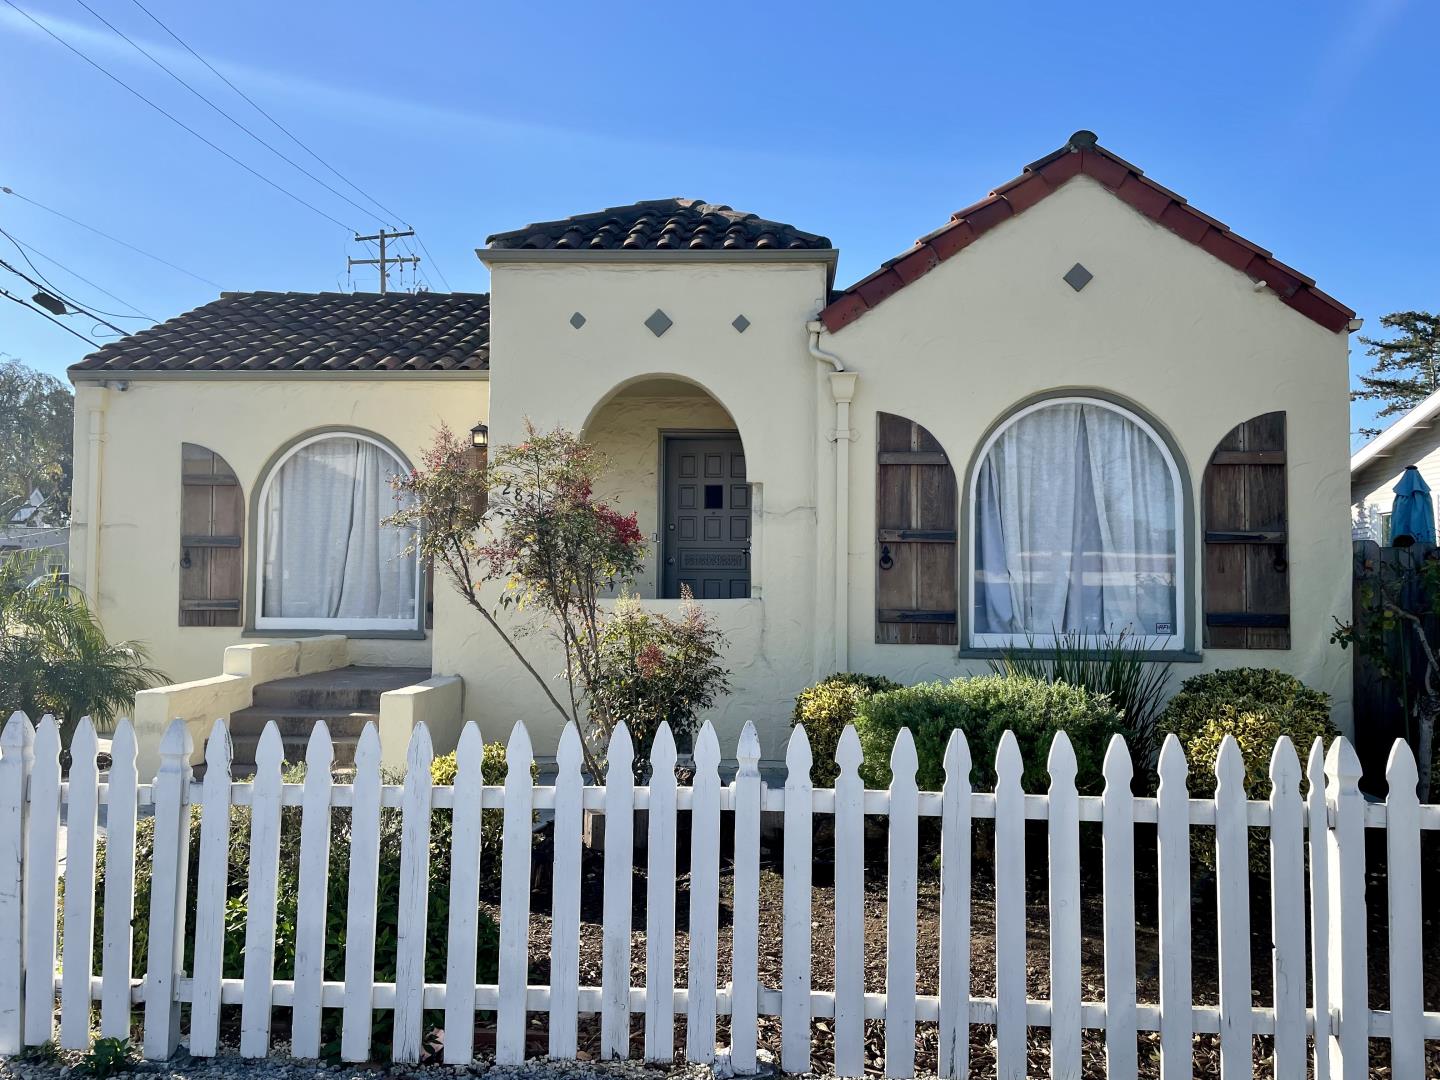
[(1324, 1022)]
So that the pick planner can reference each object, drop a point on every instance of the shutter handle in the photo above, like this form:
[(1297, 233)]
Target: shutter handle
[(185, 559), (886, 559), (1281, 564)]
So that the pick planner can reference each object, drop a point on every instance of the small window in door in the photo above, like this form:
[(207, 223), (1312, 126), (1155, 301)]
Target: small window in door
[(714, 497)]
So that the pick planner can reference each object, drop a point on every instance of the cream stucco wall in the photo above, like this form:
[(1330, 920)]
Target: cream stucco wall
[(1164, 325), (135, 570)]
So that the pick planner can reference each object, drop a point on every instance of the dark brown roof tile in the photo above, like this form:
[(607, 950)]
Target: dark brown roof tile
[(663, 225)]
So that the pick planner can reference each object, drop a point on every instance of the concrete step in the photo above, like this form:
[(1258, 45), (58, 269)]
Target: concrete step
[(349, 688), (297, 722), (243, 751)]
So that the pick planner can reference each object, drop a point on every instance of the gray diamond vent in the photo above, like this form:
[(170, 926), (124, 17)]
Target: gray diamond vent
[(1077, 277), (577, 320), (741, 324)]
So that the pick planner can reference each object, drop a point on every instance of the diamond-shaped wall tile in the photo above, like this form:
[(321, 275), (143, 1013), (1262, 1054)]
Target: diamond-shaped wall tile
[(740, 323), (577, 320), (658, 322), (1077, 277)]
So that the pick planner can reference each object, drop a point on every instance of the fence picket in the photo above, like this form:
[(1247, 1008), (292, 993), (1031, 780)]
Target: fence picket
[(1117, 826), (565, 897), (660, 902), (515, 898), (117, 935), (414, 911), (850, 909), (1177, 1057), (1402, 869), (16, 760), (463, 932), (748, 791), (262, 886), (619, 882), (901, 909), (311, 919), (80, 823), (210, 882), (169, 879), (360, 913), (798, 910), (1349, 990), (1064, 911), (42, 872), (1318, 843), (1287, 910), (1009, 911), (704, 899), (953, 1050), (1232, 885)]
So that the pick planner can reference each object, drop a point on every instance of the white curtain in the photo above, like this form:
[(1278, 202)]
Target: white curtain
[(1075, 527), (326, 554)]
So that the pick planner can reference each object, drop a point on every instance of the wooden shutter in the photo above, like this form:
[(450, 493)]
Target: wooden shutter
[(212, 526), (915, 514), (1247, 580)]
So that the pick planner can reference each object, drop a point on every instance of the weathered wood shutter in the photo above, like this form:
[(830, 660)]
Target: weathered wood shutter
[(916, 508), (212, 527), (1247, 580)]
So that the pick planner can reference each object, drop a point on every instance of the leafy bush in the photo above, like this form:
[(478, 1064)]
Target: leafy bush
[(1257, 734), (983, 708), (106, 1057), (825, 708), (652, 669), (388, 895), (1295, 709)]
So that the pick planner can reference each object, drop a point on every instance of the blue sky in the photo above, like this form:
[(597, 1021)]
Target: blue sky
[(1313, 129)]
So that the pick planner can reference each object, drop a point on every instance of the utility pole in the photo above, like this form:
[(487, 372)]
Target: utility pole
[(382, 262)]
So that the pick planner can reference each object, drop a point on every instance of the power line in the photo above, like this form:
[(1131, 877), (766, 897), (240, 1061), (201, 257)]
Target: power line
[(41, 288), (22, 247), (179, 123), (256, 106), (162, 66), (11, 296), (433, 263)]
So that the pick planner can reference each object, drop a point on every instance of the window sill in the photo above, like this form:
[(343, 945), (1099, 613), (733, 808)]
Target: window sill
[(294, 632), (1157, 656)]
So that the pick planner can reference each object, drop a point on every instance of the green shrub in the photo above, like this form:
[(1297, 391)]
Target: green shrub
[(983, 708), (1257, 734), (826, 708), (106, 1057), (387, 906), (1282, 700)]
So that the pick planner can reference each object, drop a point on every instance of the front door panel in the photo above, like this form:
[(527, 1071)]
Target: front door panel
[(706, 518)]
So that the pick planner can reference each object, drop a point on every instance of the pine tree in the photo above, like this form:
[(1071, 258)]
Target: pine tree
[(1407, 366)]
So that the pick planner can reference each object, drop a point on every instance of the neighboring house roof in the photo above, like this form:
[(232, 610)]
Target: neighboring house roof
[(661, 225), (1082, 154), (344, 332), (1392, 440)]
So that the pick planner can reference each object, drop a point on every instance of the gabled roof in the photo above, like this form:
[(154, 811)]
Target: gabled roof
[(341, 332), (661, 225), (1082, 154), (1392, 440)]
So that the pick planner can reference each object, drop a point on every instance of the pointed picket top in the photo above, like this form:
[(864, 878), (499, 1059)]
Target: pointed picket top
[(217, 749), (1400, 773), (84, 744), (848, 754), (1315, 765), (568, 754), (176, 745), (662, 751), (1284, 768), (122, 743), (469, 747), (1342, 765), (1061, 763), (1009, 764), (47, 739), (747, 751), (1229, 766), (1172, 766), (13, 738), (367, 748), (957, 757), (707, 749), (1118, 769), (420, 752), (320, 750), (621, 752), (518, 751), (270, 751), (903, 761), (798, 758)]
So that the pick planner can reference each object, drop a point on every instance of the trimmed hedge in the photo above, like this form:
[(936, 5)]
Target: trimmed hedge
[(826, 708), (983, 707)]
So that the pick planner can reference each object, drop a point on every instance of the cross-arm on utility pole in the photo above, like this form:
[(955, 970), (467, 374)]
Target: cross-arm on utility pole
[(383, 261)]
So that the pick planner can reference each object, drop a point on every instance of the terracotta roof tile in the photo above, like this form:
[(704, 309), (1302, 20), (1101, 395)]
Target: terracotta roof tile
[(274, 331), (1083, 154), (661, 225)]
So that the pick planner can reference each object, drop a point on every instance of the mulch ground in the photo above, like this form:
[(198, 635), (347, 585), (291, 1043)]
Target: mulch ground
[(982, 1052)]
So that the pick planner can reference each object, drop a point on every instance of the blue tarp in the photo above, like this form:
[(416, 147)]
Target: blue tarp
[(1412, 519)]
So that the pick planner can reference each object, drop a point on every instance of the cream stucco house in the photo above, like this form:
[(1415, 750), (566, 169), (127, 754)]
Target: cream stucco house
[(1078, 404)]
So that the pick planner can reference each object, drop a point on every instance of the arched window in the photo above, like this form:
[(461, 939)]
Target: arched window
[(324, 560), (1076, 527)]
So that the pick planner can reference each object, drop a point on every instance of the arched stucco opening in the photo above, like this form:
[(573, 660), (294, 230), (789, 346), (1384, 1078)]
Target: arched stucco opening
[(675, 458)]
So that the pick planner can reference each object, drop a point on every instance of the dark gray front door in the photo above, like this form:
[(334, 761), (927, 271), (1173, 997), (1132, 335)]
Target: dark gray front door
[(706, 517)]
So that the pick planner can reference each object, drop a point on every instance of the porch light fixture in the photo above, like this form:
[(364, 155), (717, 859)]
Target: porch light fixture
[(480, 436)]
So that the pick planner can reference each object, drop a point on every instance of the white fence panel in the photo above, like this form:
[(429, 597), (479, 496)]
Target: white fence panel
[(660, 902), (1232, 885), (1402, 867), (80, 822), (1065, 985), (311, 919), (748, 792), (953, 1043), (1173, 857), (798, 905), (412, 918), (42, 859), (1009, 911), (704, 898), (849, 909), (1287, 910), (117, 936), (210, 882), (515, 898), (262, 895), (464, 929), (1117, 826), (16, 760), (360, 907), (565, 897), (169, 886), (619, 877)]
